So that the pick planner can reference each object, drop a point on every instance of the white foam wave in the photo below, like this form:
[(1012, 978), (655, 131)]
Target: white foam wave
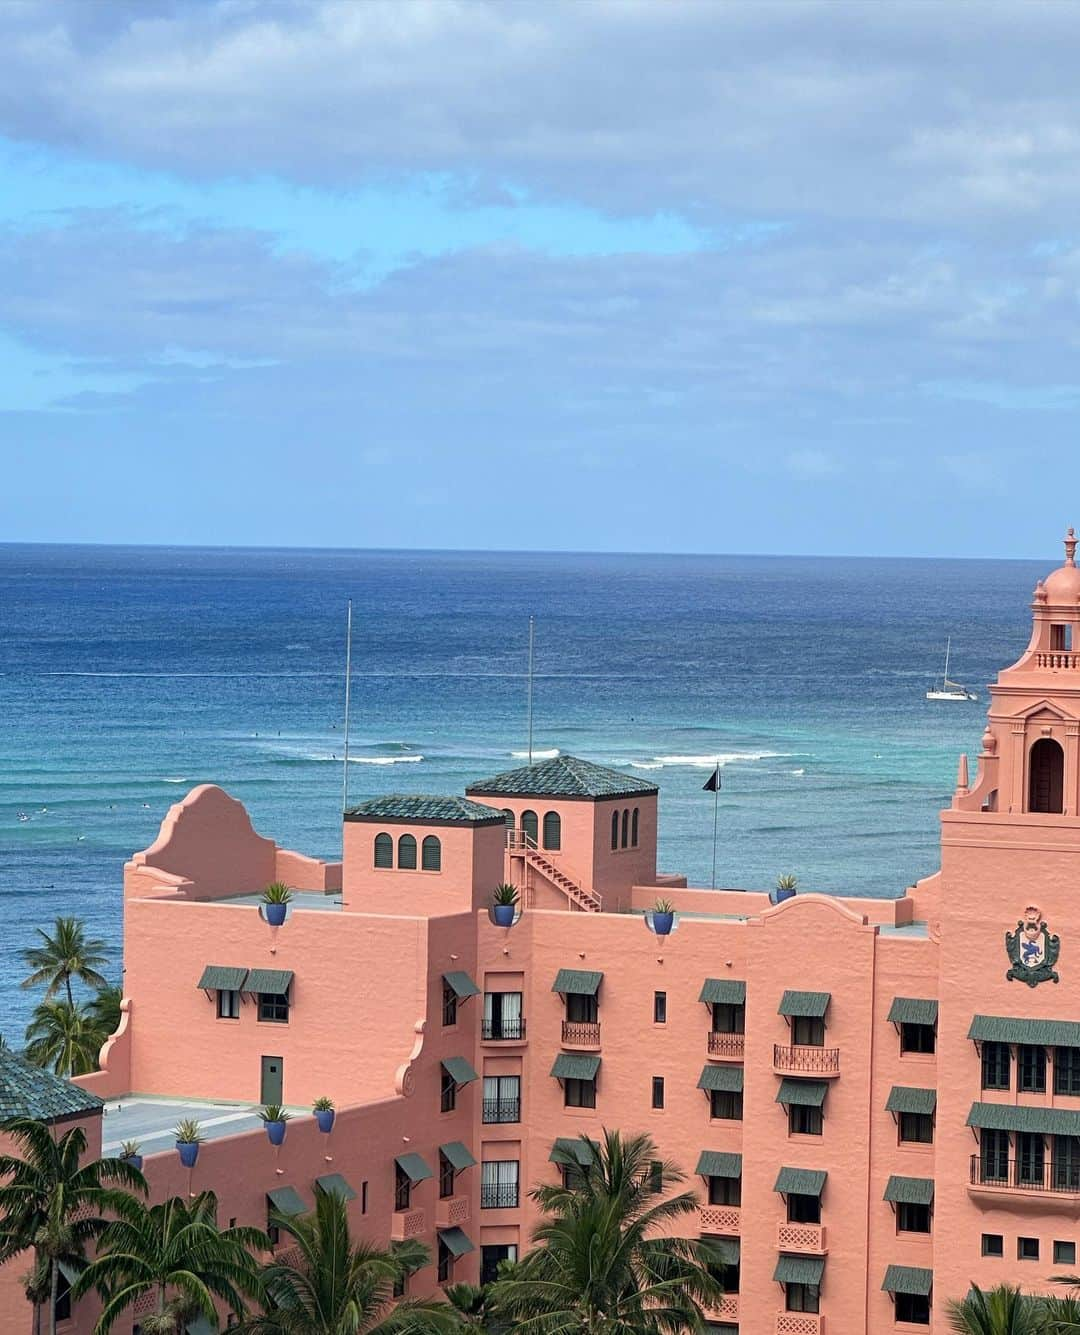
[(645, 764), (166, 780), (798, 771), (385, 760), (720, 758), (536, 755)]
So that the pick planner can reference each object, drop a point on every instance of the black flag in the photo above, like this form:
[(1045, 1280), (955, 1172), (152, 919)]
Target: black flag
[(713, 784)]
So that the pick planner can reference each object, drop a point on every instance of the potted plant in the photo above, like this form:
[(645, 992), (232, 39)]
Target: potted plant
[(785, 887), (189, 1137), (504, 904), (663, 917), (275, 900), (323, 1109), (274, 1118), (129, 1154)]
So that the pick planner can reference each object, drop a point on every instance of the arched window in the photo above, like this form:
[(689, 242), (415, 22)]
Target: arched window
[(530, 827), (634, 827), (614, 829), (431, 854), (406, 853), (510, 818), (384, 850), (1046, 786), (625, 828), (552, 830)]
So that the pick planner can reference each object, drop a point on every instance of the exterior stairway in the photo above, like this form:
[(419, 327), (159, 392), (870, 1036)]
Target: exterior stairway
[(522, 846)]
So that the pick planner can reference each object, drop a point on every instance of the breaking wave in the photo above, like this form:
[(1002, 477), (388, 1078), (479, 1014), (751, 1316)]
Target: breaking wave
[(536, 755)]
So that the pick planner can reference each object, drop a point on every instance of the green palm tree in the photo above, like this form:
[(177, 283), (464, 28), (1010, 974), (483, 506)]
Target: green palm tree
[(603, 1264), (1001, 1311), (104, 1009), (52, 1204), (330, 1284), (62, 1037), (1062, 1315), (175, 1252), (65, 955)]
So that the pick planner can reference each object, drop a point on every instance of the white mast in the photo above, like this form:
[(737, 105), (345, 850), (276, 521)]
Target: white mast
[(348, 682), (532, 637), (948, 646)]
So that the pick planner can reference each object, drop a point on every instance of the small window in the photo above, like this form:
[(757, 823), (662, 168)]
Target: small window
[(509, 818), (1059, 638), (272, 1230), (659, 1007), (993, 1244), (1031, 1063), (406, 853), (402, 1188), (384, 850), (446, 1262), (634, 828), (614, 829), (803, 1208), (995, 1066), (725, 1105), (913, 1308), (447, 1092), (918, 1038), (1064, 1253), (449, 1006), (446, 1177), (363, 1197), (808, 1031), (582, 1009), (912, 1218), (1067, 1070), (274, 1007), (916, 1128), (625, 828), (579, 1093), (656, 1176), (62, 1307), (804, 1121), (530, 827), (552, 830), (802, 1297), (658, 1091), (431, 854), (725, 1191), (1027, 1249), (728, 1018), (397, 1289), (228, 1004)]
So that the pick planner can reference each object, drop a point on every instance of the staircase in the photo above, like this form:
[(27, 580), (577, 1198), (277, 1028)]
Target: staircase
[(521, 845)]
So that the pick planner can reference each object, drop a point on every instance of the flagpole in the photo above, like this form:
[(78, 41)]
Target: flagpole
[(532, 634), (715, 818), (348, 681)]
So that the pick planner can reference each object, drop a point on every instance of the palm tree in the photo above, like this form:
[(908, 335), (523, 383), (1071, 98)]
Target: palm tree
[(62, 1037), (51, 1203), (104, 1009), (330, 1284), (475, 1307), (604, 1265), (65, 955), (1005, 1310), (176, 1252)]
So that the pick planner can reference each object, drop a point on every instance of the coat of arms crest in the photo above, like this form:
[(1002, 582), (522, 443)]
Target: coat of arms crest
[(1032, 949)]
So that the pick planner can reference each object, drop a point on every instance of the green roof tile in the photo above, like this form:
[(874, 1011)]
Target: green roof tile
[(813, 1004), (29, 1091), (418, 809), (461, 985), (799, 1269), (577, 982), (800, 1181), (906, 1099), (729, 1078), (562, 776), (1008, 1029), (806, 1093), (909, 1190), (716, 1163), (908, 1279), (913, 1010), (1010, 1117), (729, 991), (575, 1066)]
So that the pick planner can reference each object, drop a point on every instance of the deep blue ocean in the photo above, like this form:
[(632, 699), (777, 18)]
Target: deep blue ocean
[(127, 675)]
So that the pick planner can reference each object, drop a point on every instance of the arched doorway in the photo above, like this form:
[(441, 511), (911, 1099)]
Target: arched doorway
[(1046, 787)]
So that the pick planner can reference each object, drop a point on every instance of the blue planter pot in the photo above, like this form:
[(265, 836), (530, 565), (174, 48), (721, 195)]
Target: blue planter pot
[(133, 1161), (504, 914), (188, 1152), (325, 1119), (275, 1132), (662, 923), (780, 895), (275, 913)]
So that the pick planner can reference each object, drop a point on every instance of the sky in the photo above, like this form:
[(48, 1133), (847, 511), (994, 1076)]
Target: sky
[(631, 275)]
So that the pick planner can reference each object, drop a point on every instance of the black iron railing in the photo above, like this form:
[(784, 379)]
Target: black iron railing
[(585, 1033), (502, 1110), (512, 1030), (499, 1196), (1025, 1174)]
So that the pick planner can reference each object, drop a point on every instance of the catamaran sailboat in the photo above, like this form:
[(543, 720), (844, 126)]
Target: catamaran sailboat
[(949, 690)]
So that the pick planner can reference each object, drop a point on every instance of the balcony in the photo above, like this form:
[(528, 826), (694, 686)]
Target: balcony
[(808, 1239), (1046, 1182), (502, 1031), (727, 1309), (405, 1224), (800, 1323), (502, 1110), (451, 1211), (726, 1047), (800, 1060), (499, 1196), (722, 1219), (580, 1034)]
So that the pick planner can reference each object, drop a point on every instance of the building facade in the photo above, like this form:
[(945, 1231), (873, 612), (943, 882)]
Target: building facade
[(878, 1100)]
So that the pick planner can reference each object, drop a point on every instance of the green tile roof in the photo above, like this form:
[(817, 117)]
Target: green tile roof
[(909, 1190), (715, 1163), (913, 1010), (729, 991), (420, 809), (729, 1078), (577, 982), (906, 1099), (1008, 1029), (28, 1091), (1009, 1117), (460, 1069), (908, 1279), (414, 1166), (456, 1241), (806, 1093), (813, 1004), (459, 1155), (277, 981), (799, 1269), (222, 978), (800, 1181), (563, 776), (461, 985), (575, 1066), (335, 1184), (287, 1201)]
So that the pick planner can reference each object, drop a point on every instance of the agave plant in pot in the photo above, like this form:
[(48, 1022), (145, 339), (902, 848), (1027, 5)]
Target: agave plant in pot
[(189, 1137), (129, 1154), (276, 898), (786, 886), (274, 1118), (663, 917), (504, 901), (323, 1108)]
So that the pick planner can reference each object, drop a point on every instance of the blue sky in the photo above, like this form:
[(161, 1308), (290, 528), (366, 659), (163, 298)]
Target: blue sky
[(791, 277)]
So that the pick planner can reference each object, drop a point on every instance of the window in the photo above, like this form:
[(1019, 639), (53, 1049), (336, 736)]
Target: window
[(658, 1091), (274, 1007), (529, 827), (1067, 1070), (272, 1230), (725, 1105), (582, 1009), (916, 1128), (1064, 1253), (502, 1016), (625, 828), (993, 1244), (808, 1031), (614, 829), (363, 1197), (431, 854), (406, 853), (913, 1307), (659, 1007), (1027, 1249), (1031, 1072), (802, 1297), (502, 1098), (1046, 774), (579, 1093), (634, 828), (228, 1004), (656, 1176), (995, 1066), (499, 1184), (446, 1262), (1030, 1159), (994, 1155), (725, 1191), (449, 1006), (490, 1257), (447, 1092), (402, 1187), (384, 850), (918, 1038), (1066, 1163), (912, 1218), (727, 1018), (803, 1208), (62, 1307), (552, 830), (397, 1289), (509, 818), (803, 1121), (446, 1177)]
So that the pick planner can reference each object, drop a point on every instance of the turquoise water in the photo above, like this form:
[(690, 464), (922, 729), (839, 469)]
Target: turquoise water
[(128, 675)]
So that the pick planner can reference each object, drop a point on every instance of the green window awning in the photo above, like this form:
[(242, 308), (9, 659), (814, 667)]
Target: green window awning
[(800, 1181), (575, 1066), (714, 1163), (913, 1010), (222, 978), (461, 985), (909, 1190), (458, 1154), (799, 1269), (907, 1099), (723, 991), (729, 1078), (456, 1241), (459, 1070), (1009, 1117), (805, 1005), (414, 1166), (335, 1185), (68, 1270), (1008, 1029), (268, 980), (581, 1151), (730, 1249), (908, 1279), (286, 1201), (805, 1093), (577, 982)]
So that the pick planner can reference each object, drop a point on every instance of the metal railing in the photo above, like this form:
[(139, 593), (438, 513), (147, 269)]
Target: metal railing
[(727, 1045), (498, 1196), (806, 1060), (1025, 1174), (586, 1033), (512, 1031), (502, 1110)]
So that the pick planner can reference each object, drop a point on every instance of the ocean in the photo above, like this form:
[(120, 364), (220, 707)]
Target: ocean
[(128, 675)]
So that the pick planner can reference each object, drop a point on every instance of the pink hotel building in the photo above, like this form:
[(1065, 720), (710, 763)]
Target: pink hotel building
[(877, 1099)]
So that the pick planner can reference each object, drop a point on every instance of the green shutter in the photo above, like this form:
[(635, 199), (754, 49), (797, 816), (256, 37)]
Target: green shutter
[(460, 1070), (723, 991), (577, 982), (908, 1279), (276, 981), (461, 985), (575, 1066), (221, 978), (728, 1078), (913, 1010), (456, 1242), (811, 1005), (431, 854), (414, 1166), (335, 1185), (287, 1201), (384, 851), (906, 1099), (715, 1163), (800, 1181), (1008, 1029), (1009, 1117), (406, 853), (799, 1269), (909, 1190), (459, 1156), (806, 1093)]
